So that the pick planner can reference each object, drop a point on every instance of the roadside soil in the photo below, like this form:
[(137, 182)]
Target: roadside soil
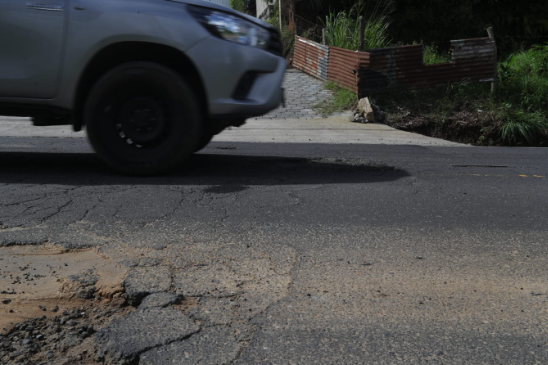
[(469, 126), (465, 126)]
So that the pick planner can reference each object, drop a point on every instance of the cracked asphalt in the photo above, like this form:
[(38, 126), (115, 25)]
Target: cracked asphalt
[(276, 253)]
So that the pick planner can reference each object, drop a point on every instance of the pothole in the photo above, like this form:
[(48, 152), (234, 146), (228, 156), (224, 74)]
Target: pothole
[(38, 281), (350, 163), (67, 338)]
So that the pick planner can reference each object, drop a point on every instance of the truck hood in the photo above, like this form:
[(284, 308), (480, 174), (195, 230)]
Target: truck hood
[(207, 4)]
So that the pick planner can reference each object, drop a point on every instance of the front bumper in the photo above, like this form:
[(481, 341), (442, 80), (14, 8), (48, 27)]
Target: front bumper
[(222, 65)]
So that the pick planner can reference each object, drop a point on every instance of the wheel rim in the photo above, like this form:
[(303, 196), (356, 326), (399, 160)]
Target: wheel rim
[(142, 122)]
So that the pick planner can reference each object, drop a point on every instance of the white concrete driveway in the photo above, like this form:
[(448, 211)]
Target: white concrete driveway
[(333, 130)]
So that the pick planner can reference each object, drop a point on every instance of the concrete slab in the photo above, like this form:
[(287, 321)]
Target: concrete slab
[(333, 130)]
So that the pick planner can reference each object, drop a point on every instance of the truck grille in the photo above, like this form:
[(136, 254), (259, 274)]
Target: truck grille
[(275, 45)]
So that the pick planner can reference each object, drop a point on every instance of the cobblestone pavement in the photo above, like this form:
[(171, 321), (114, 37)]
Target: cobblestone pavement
[(302, 94)]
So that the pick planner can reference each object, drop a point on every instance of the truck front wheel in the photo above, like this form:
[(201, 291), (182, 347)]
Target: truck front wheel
[(143, 119)]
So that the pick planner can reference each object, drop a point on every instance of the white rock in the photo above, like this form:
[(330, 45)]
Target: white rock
[(364, 106)]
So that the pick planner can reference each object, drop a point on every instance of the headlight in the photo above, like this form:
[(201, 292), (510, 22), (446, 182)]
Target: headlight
[(231, 27)]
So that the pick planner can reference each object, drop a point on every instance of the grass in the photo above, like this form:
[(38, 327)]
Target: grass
[(342, 100), (523, 128), (343, 29)]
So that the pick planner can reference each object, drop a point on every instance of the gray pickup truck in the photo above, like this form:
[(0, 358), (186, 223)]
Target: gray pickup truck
[(152, 81)]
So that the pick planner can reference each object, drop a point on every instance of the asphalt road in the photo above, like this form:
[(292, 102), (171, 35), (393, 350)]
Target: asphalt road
[(302, 253)]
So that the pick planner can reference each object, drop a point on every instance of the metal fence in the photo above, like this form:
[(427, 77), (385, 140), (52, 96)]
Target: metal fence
[(311, 57), (473, 60), (220, 2)]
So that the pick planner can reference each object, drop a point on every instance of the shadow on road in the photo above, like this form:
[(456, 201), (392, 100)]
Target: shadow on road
[(202, 169)]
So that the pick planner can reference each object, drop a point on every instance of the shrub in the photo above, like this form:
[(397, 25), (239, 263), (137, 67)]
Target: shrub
[(524, 79)]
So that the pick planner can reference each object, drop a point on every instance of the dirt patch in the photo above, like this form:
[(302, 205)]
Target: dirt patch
[(53, 301), (44, 280), (470, 127), (63, 339)]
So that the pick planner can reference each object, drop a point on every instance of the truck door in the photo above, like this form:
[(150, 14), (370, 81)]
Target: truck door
[(32, 34)]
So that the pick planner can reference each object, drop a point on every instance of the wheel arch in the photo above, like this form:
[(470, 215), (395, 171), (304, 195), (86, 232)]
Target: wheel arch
[(119, 53)]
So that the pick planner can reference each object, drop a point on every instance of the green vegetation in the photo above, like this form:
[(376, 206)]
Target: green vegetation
[(524, 96), (343, 100), (515, 116), (524, 79), (343, 29), (523, 128)]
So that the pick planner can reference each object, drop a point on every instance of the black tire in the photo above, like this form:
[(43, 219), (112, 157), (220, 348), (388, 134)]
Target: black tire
[(204, 141), (142, 119)]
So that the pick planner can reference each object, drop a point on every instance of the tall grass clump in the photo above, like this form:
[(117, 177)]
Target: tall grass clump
[(524, 91), (343, 29), (523, 128)]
